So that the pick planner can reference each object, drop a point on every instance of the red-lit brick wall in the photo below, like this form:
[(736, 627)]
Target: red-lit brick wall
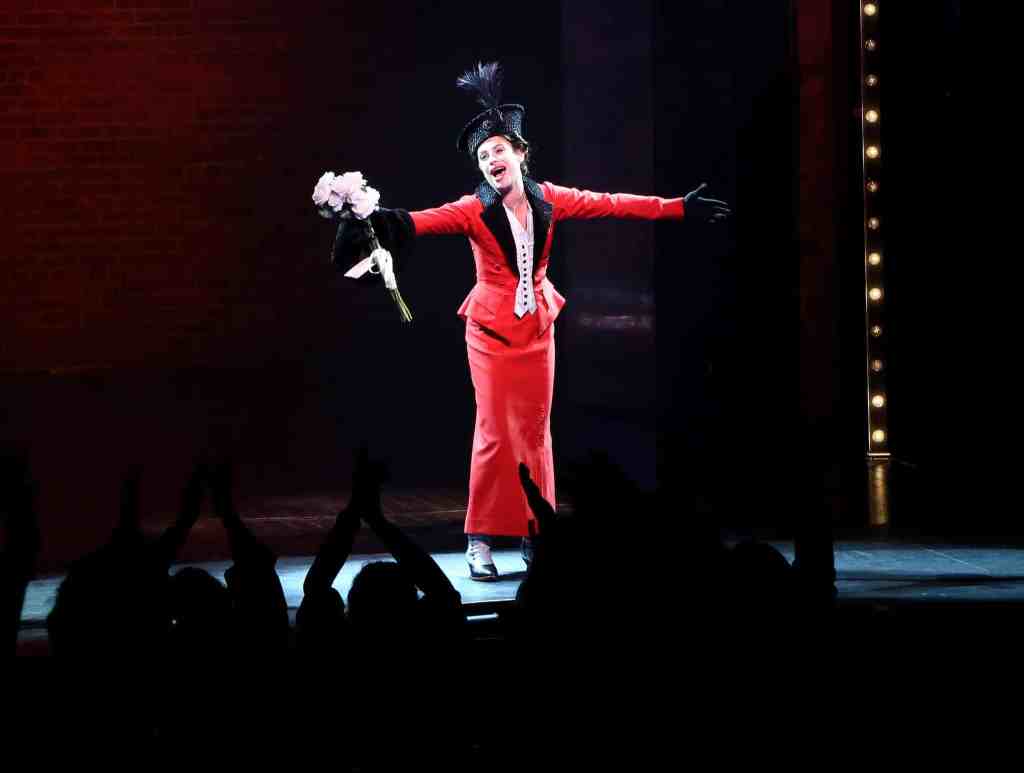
[(156, 159)]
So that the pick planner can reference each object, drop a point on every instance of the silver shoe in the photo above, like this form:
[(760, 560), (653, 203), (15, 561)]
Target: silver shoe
[(481, 565)]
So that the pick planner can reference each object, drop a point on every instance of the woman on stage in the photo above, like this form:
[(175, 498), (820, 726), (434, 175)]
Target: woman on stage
[(510, 334)]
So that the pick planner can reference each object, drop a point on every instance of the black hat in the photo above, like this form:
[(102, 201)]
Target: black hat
[(485, 81)]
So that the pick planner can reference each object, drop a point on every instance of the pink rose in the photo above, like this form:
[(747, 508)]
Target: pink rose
[(347, 184), (364, 201), (335, 201), (323, 188)]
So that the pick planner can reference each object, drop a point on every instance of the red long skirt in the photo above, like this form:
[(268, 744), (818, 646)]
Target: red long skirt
[(514, 385)]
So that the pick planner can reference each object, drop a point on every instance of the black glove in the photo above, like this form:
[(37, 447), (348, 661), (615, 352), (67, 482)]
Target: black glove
[(352, 243), (697, 207)]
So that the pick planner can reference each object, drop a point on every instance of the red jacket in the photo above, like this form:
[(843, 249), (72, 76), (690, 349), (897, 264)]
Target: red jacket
[(482, 219)]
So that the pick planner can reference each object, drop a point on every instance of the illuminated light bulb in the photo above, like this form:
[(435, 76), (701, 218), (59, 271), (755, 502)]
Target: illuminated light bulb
[(872, 151), (876, 366), (872, 186), (878, 401), (873, 223), (878, 436), (871, 116), (876, 331), (871, 80), (870, 9), (870, 44), (875, 259), (875, 293)]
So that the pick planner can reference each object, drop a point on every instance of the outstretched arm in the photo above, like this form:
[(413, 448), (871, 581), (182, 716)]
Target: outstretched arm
[(354, 240), (452, 218), (572, 203), (396, 231)]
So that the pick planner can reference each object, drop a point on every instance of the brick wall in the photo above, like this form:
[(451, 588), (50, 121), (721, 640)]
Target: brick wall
[(156, 163)]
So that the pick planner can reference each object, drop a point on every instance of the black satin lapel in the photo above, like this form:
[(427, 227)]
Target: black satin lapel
[(541, 220), (496, 220)]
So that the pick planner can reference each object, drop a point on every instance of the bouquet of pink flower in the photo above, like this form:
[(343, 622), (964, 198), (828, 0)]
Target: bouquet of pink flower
[(337, 195)]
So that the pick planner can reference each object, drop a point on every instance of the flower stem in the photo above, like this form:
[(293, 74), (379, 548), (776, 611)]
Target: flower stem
[(396, 296)]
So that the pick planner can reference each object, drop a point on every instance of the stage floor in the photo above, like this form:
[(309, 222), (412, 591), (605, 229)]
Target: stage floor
[(885, 572)]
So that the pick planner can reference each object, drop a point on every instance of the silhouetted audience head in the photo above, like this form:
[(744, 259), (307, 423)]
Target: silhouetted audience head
[(321, 624), (381, 598), (761, 585), (112, 603), (200, 611)]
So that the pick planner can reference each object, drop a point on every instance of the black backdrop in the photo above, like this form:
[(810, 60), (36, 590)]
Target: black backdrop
[(678, 337)]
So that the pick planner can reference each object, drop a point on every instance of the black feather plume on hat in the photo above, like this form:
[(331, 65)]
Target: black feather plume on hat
[(484, 81)]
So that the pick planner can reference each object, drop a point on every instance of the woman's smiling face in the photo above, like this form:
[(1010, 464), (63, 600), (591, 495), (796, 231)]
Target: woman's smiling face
[(499, 163)]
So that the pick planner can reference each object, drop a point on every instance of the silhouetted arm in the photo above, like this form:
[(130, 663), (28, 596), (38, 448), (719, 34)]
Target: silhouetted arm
[(258, 598), (166, 548), (320, 624), (245, 547), (543, 511), (416, 562), (127, 534), (333, 553)]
